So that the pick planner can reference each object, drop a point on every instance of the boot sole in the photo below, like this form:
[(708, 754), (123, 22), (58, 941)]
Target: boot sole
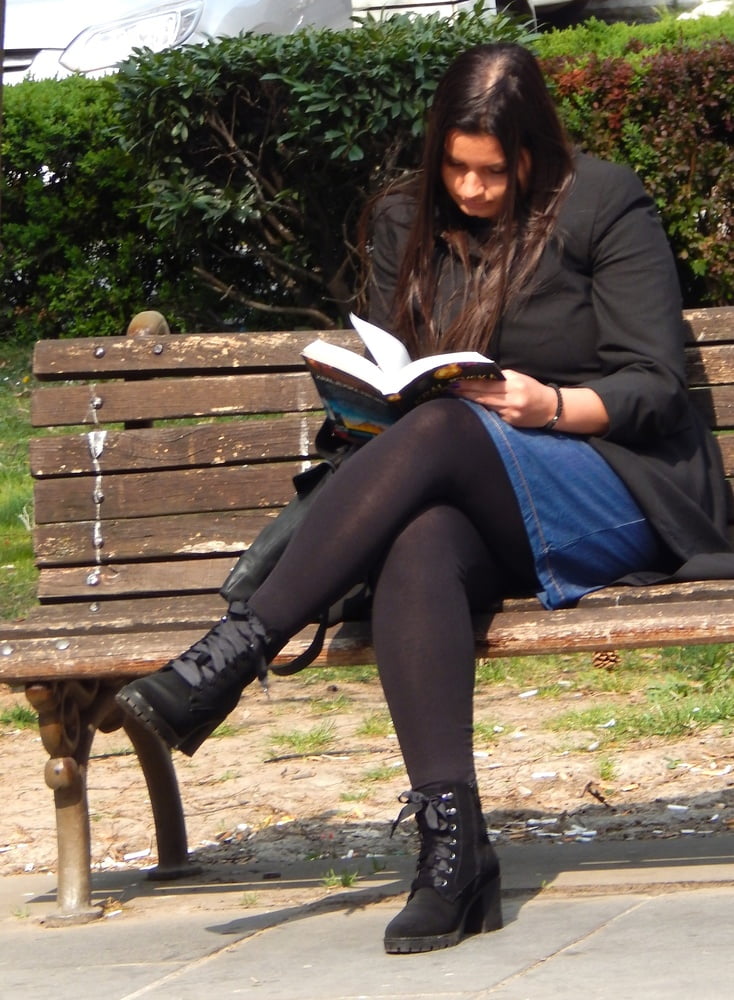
[(483, 914), (133, 704)]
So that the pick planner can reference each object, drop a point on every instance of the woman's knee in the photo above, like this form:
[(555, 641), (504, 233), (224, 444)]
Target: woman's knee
[(436, 545), (440, 417)]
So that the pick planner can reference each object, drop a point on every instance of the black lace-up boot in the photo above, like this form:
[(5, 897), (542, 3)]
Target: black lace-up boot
[(186, 700), (457, 888)]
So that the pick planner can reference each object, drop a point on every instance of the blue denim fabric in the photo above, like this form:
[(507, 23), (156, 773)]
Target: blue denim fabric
[(585, 528)]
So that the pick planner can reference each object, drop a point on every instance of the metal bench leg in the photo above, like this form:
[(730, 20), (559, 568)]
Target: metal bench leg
[(69, 714), (165, 800), (66, 716)]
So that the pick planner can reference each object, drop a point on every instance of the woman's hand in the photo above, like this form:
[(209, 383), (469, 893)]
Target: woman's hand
[(525, 402)]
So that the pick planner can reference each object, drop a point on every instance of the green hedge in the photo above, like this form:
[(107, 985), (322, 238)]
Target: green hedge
[(263, 150), (221, 184), (77, 258)]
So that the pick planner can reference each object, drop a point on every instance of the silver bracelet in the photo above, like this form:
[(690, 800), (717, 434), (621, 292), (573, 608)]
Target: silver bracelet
[(559, 408)]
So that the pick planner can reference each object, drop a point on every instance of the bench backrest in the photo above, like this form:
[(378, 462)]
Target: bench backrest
[(164, 455)]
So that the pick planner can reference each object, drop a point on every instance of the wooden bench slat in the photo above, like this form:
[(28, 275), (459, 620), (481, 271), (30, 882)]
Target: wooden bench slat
[(96, 614), (289, 436), (118, 615), (180, 398), (201, 610), (716, 405), (154, 357), (710, 365), (72, 543), (726, 447), (711, 325), (173, 399), (630, 627), (511, 634), (231, 487), (81, 358), (169, 577)]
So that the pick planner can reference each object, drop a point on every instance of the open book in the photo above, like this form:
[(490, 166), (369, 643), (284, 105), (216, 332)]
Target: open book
[(363, 397)]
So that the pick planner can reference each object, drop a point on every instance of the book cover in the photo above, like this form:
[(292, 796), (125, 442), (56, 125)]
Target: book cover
[(363, 397)]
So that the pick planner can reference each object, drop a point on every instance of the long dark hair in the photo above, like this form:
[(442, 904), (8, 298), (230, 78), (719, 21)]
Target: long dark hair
[(495, 89)]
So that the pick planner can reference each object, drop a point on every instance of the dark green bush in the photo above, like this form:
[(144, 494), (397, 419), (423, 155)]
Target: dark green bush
[(222, 183), (263, 151), (77, 258)]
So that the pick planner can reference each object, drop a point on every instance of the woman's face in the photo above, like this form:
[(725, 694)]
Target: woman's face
[(474, 173)]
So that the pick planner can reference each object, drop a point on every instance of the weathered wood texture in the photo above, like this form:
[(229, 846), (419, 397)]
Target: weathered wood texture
[(119, 639)]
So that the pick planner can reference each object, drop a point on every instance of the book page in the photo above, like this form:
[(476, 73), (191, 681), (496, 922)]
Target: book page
[(389, 353), (344, 360)]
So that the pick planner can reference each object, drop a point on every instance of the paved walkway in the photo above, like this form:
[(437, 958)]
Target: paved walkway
[(643, 920)]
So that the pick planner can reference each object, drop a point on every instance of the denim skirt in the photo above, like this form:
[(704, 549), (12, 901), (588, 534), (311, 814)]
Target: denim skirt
[(585, 528)]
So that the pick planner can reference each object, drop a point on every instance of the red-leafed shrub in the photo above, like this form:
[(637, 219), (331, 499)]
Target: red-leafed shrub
[(670, 116)]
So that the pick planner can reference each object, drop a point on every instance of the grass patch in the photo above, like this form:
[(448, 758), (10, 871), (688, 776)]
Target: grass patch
[(607, 769), (327, 705), (311, 741), (710, 666), (343, 879), (226, 776), (377, 725), (225, 729), (19, 717), (17, 572), (669, 693), (358, 796), (486, 733), (666, 717), (376, 775), (554, 676), (364, 674)]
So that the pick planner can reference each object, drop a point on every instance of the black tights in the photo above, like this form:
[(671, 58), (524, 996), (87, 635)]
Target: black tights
[(427, 512)]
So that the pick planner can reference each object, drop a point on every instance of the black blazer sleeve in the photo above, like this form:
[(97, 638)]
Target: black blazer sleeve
[(637, 305)]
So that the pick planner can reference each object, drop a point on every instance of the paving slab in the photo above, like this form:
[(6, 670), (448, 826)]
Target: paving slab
[(609, 920)]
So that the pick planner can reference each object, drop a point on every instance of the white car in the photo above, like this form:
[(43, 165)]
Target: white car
[(55, 38)]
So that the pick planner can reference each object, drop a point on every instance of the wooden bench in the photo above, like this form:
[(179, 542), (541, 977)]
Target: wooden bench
[(163, 456)]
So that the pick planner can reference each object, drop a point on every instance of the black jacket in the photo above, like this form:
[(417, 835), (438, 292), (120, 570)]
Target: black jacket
[(605, 312)]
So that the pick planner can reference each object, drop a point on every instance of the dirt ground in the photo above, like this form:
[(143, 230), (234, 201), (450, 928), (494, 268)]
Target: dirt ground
[(249, 795)]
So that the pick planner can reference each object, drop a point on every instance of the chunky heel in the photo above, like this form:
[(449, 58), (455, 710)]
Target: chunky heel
[(485, 913), (191, 744)]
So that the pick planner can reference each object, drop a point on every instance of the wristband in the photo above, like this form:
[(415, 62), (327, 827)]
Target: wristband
[(559, 408)]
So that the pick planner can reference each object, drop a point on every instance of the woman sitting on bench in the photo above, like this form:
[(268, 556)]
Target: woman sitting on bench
[(584, 467)]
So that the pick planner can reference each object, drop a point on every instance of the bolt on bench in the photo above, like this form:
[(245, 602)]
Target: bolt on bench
[(163, 456)]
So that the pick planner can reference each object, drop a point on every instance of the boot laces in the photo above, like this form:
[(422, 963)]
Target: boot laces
[(437, 821), (238, 633)]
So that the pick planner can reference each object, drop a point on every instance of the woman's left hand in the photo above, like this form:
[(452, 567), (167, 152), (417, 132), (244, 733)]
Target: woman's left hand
[(520, 400)]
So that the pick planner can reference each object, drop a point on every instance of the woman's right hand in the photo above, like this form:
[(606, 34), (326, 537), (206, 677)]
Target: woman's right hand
[(523, 401)]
